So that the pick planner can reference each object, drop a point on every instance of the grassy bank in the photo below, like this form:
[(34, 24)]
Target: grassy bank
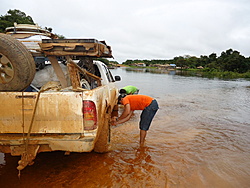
[(210, 73)]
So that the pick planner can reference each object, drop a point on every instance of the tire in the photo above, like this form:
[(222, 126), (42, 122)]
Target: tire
[(103, 143), (17, 66)]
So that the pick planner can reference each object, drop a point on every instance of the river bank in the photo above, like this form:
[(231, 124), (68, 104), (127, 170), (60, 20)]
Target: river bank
[(206, 73)]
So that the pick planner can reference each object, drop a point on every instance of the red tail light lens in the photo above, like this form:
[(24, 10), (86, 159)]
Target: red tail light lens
[(89, 115)]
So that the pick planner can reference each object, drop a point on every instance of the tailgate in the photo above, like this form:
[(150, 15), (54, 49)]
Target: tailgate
[(57, 112)]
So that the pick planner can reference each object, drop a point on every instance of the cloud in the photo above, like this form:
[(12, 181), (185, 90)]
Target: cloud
[(146, 29)]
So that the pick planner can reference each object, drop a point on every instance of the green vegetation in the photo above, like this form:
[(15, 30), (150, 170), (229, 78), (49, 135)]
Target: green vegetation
[(230, 64), (107, 62), (13, 16), (214, 73), (19, 17)]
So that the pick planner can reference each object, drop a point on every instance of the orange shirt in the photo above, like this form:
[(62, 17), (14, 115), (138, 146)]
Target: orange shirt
[(137, 102)]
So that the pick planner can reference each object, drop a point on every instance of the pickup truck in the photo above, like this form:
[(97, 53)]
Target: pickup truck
[(70, 114)]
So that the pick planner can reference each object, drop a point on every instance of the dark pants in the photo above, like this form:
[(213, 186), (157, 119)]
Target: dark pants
[(148, 114)]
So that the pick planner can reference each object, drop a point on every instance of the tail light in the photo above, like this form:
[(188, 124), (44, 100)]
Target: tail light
[(89, 115)]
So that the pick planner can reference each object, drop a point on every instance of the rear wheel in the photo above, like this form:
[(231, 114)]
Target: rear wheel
[(17, 66)]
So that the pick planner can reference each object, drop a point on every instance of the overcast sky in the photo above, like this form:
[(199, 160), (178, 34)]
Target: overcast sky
[(147, 29)]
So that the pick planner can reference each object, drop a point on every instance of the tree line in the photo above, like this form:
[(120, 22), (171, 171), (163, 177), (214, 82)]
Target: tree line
[(19, 17), (229, 60), (13, 16)]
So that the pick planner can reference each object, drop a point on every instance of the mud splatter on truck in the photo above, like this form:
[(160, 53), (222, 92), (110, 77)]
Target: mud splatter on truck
[(70, 110)]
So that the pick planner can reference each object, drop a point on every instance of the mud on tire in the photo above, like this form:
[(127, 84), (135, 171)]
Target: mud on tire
[(103, 143), (17, 66)]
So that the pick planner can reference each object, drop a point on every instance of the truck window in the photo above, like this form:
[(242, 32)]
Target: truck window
[(109, 75), (97, 72)]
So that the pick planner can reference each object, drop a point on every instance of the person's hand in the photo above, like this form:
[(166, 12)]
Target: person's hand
[(114, 118), (113, 121)]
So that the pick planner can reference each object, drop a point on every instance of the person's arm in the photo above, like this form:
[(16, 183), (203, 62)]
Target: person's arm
[(125, 115), (119, 121), (125, 112)]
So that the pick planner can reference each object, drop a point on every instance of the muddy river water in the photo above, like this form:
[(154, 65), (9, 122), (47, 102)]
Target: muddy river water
[(200, 137)]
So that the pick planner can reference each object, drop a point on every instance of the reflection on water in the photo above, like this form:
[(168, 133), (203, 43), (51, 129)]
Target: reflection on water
[(152, 70), (200, 137)]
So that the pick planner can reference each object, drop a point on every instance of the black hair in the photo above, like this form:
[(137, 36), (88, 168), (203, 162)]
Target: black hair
[(120, 97), (122, 91)]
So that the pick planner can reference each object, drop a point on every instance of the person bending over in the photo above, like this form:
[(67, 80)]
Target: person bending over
[(149, 107)]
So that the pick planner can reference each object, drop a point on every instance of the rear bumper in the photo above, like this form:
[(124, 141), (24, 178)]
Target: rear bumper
[(16, 143)]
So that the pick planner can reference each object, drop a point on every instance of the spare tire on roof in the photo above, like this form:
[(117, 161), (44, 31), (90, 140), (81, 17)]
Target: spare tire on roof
[(17, 66)]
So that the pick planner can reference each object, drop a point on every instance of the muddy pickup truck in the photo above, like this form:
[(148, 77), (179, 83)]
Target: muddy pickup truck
[(53, 94)]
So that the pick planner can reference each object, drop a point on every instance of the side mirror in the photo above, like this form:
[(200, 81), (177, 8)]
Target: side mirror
[(117, 78)]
